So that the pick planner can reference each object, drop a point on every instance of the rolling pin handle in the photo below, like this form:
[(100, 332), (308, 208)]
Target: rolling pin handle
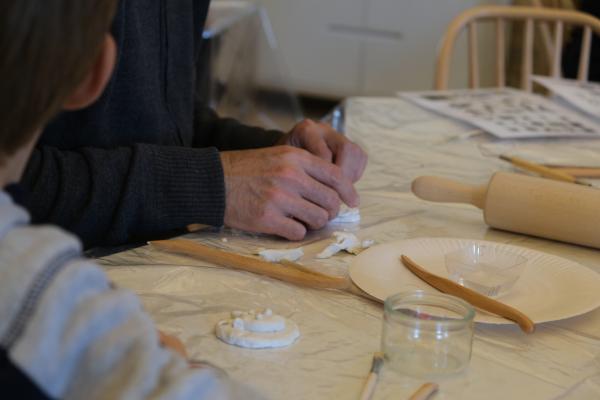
[(442, 190)]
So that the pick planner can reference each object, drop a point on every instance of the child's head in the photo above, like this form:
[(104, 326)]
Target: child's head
[(54, 54)]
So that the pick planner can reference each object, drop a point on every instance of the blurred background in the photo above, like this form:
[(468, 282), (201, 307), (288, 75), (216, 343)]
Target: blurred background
[(272, 62)]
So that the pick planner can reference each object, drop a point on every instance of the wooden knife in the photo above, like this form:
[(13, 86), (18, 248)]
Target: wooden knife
[(475, 299)]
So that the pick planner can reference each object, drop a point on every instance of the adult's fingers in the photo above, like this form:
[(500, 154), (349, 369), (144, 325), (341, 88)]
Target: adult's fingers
[(332, 176), (321, 195), (313, 141), (309, 213), (351, 159), (286, 227)]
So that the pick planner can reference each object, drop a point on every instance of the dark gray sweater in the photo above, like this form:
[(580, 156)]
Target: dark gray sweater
[(143, 161)]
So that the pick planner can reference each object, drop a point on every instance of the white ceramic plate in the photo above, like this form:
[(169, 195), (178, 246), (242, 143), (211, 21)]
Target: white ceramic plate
[(551, 288)]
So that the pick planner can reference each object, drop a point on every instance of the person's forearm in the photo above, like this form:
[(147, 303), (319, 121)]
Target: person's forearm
[(114, 196), (229, 134)]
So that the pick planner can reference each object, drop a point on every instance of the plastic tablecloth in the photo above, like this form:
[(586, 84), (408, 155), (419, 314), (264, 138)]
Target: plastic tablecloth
[(340, 332)]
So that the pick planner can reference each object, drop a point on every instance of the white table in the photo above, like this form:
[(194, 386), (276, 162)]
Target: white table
[(340, 332)]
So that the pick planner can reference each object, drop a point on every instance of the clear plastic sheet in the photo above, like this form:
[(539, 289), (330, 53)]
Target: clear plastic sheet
[(236, 34), (587, 389), (340, 332)]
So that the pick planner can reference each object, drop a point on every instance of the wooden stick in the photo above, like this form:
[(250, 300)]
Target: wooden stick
[(371, 382), (578, 172), (352, 288), (542, 170), (244, 263), (425, 391), (476, 299)]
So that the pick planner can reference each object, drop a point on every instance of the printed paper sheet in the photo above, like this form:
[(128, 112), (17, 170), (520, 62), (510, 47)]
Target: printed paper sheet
[(507, 113), (585, 96)]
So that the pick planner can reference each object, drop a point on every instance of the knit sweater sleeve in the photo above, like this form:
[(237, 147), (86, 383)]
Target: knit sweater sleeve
[(227, 133), (112, 196)]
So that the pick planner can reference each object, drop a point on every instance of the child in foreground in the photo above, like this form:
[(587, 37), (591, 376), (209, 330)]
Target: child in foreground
[(65, 332)]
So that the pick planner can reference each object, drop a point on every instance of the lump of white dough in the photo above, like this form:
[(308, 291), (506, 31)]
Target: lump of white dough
[(279, 255), (365, 244), (257, 330), (346, 215), (345, 241)]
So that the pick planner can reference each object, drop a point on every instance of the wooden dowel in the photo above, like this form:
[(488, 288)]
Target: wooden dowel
[(473, 57), (500, 54), (527, 66), (244, 263), (542, 170), (557, 57), (584, 57), (579, 172), (425, 391)]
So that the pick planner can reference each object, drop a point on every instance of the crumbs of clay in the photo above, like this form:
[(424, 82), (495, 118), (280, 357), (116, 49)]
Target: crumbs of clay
[(345, 241), (279, 255), (346, 215), (257, 330)]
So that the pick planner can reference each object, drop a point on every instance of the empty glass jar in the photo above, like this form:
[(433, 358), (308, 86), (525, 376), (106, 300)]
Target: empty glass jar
[(427, 335)]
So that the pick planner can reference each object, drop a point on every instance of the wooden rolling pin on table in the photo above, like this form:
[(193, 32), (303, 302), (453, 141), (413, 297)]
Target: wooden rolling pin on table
[(525, 204)]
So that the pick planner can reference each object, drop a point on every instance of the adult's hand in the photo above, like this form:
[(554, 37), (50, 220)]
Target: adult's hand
[(323, 141), (281, 190)]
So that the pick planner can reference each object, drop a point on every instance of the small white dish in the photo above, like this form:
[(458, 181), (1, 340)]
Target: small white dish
[(488, 269)]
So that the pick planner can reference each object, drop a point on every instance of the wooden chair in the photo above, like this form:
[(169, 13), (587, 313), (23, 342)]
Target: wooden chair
[(529, 15)]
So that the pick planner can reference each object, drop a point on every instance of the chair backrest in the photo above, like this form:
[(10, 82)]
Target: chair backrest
[(500, 15)]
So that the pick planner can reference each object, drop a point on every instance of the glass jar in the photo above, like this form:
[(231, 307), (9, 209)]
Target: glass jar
[(427, 335)]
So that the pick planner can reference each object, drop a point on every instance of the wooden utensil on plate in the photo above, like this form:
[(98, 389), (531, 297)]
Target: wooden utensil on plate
[(525, 204), (472, 297)]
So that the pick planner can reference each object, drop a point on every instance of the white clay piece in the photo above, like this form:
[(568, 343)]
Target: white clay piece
[(345, 241), (257, 330), (346, 215), (279, 255)]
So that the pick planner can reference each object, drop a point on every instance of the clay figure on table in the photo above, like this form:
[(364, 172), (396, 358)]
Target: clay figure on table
[(150, 157)]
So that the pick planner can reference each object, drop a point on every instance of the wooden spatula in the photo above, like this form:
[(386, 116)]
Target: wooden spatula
[(475, 299)]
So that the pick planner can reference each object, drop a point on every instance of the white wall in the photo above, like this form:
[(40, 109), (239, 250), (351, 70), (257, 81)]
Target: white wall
[(339, 48)]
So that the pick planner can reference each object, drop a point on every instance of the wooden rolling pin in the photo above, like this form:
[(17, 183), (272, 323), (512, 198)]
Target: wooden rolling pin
[(525, 204)]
